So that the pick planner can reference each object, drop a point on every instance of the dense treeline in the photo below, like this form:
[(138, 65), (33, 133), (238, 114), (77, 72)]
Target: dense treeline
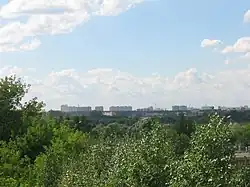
[(37, 150), (96, 118)]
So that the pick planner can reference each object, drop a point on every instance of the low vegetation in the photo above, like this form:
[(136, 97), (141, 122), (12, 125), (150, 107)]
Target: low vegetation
[(37, 150)]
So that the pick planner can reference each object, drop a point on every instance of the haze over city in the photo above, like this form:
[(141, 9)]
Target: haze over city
[(128, 52)]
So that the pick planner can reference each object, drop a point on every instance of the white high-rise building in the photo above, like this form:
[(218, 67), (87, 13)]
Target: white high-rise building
[(183, 108), (66, 108), (175, 108), (120, 108), (179, 108), (99, 108), (146, 109)]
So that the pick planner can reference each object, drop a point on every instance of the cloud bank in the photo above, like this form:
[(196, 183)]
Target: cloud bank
[(25, 19), (113, 87)]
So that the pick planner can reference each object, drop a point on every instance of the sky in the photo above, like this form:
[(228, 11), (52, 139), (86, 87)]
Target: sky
[(128, 52)]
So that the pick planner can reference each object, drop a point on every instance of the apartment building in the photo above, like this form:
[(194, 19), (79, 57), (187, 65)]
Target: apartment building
[(66, 108), (145, 109), (179, 108), (120, 108), (99, 108)]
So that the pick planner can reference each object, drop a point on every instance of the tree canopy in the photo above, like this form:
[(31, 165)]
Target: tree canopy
[(37, 150)]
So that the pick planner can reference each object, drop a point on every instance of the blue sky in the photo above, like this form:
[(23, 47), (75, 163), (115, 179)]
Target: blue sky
[(162, 36)]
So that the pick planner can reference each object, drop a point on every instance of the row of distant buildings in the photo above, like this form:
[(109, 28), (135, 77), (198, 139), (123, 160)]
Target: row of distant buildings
[(209, 108), (185, 108), (67, 108)]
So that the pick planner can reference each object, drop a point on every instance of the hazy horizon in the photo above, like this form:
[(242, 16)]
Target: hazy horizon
[(128, 52)]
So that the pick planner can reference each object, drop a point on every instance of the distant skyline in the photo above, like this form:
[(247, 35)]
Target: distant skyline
[(155, 107), (128, 52)]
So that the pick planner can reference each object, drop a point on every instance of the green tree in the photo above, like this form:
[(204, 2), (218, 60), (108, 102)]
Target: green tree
[(134, 160), (66, 144), (185, 126), (96, 114), (241, 134), (210, 159), (143, 160), (12, 111)]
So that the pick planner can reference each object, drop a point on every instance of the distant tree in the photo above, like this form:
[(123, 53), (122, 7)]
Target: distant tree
[(241, 134), (81, 123), (76, 119), (185, 126), (96, 114), (61, 118)]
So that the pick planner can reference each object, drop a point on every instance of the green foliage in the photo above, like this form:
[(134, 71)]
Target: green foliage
[(39, 151), (96, 114), (241, 134), (12, 91), (141, 160), (112, 130), (8, 182), (66, 142), (144, 160), (185, 126), (11, 94), (12, 111), (210, 159)]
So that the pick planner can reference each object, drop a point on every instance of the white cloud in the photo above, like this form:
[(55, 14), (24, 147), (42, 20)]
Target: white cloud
[(210, 43), (26, 46), (247, 55), (31, 45), (242, 45), (247, 16), (46, 17), (113, 87)]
